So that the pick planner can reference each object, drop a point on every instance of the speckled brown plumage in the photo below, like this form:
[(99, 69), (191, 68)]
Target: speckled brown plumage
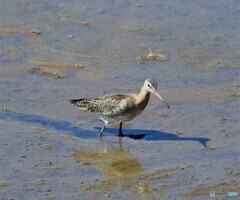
[(106, 105)]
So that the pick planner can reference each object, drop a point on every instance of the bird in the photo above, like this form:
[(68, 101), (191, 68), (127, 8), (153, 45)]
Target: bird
[(119, 108)]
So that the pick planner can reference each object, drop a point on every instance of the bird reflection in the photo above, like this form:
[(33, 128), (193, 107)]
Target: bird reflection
[(121, 168), (111, 161)]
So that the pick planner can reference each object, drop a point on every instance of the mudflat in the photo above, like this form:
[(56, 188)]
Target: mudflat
[(53, 51)]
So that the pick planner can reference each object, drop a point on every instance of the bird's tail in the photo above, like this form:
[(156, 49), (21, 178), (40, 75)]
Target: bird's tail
[(75, 101), (80, 103)]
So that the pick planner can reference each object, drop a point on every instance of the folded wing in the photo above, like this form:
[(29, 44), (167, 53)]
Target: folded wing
[(106, 105)]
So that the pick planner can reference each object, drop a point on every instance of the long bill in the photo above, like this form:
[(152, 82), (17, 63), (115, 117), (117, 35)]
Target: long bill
[(158, 95)]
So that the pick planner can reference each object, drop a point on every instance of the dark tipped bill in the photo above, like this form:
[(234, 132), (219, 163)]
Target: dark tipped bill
[(158, 95)]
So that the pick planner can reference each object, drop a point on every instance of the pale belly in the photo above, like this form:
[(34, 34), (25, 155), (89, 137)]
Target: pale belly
[(125, 115)]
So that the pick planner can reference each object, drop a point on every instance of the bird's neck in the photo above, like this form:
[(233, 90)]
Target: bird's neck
[(142, 96)]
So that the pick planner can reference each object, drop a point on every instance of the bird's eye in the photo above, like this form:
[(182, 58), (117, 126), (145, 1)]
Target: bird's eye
[(149, 85)]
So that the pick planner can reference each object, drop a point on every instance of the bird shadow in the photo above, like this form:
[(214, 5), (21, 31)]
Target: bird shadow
[(153, 135), (60, 125), (55, 124)]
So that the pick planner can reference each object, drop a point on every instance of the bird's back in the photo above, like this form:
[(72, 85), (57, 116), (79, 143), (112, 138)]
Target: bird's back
[(108, 105)]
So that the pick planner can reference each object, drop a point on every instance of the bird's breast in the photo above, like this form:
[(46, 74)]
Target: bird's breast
[(131, 109), (139, 107)]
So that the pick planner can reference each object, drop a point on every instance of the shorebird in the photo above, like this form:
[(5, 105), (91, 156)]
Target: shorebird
[(119, 108)]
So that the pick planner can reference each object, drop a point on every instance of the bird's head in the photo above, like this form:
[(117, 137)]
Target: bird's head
[(151, 87)]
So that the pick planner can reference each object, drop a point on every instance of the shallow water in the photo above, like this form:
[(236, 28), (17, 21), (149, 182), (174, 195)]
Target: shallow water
[(199, 79)]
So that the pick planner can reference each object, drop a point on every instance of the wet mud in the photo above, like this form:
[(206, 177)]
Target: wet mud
[(53, 51)]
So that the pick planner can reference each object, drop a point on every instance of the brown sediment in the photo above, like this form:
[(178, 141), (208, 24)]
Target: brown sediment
[(46, 71), (3, 185), (52, 168), (20, 31), (143, 188), (178, 132), (84, 23), (237, 94), (158, 57), (54, 64), (38, 130)]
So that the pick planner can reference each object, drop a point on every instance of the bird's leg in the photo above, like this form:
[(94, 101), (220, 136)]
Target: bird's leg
[(100, 134), (120, 133), (120, 143)]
